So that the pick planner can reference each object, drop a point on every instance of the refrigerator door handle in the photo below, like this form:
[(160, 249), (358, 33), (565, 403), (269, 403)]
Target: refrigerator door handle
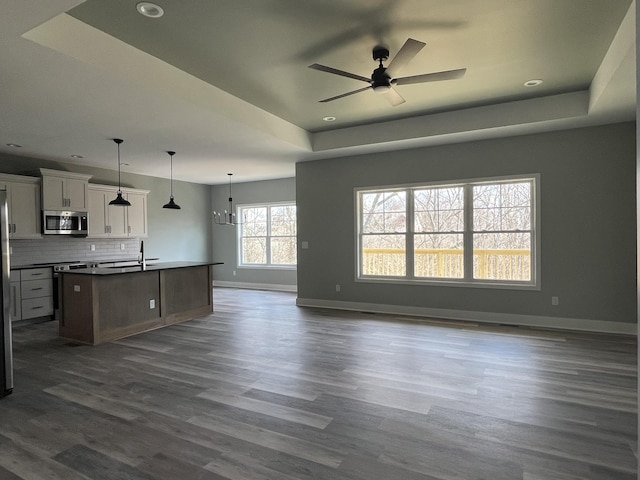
[(6, 354)]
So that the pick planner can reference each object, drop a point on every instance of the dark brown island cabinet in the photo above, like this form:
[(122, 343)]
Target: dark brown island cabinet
[(99, 305)]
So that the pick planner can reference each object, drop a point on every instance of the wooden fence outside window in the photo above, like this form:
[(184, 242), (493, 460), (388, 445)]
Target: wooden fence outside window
[(505, 264)]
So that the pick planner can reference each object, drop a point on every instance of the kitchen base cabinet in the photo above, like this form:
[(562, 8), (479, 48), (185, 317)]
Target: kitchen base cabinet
[(36, 291), (103, 304), (31, 292)]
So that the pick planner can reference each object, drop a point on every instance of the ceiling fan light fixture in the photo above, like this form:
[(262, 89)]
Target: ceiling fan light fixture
[(381, 88), (383, 79)]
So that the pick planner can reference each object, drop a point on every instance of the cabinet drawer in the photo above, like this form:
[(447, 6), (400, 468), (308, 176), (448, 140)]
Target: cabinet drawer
[(36, 273), (37, 307), (36, 288)]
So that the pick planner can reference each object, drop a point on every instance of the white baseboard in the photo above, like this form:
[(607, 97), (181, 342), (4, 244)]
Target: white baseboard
[(560, 323), (256, 286)]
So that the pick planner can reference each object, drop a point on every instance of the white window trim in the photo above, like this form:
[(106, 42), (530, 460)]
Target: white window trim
[(534, 284), (258, 266)]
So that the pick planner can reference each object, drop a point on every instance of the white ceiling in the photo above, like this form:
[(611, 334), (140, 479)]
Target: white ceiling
[(226, 84)]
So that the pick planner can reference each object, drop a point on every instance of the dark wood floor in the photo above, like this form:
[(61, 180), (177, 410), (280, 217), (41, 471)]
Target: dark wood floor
[(263, 389)]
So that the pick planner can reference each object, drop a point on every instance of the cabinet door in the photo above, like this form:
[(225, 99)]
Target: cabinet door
[(76, 194), (137, 215), (117, 218), (24, 210), (53, 194), (97, 213)]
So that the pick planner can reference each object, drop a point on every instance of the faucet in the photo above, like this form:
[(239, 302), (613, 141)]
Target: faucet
[(142, 261)]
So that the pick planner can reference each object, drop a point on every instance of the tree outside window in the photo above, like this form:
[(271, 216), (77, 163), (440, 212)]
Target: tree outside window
[(267, 235), (472, 232)]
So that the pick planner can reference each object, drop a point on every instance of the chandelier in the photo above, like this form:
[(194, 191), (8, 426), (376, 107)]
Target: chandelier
[(228, 217)]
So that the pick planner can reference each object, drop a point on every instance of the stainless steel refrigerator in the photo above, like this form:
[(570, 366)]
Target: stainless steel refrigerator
[(6, 349)]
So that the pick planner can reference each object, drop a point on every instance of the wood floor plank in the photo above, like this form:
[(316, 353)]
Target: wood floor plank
[(98, 466), (262, 389), (270, 439), (266, 408), (27, 464)]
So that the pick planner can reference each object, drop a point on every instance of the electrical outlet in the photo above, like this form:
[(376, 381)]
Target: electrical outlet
[(152, 304), (234, 273), (337, 288), (122, 246), (304, 245), (555, 301), (93, 248), (76, 288)]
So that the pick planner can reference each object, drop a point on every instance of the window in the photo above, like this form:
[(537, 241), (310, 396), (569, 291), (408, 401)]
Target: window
[(267, 235), (481, 232)]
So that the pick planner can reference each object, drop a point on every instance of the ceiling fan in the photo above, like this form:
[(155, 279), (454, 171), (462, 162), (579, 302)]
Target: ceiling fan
[(384, 78)]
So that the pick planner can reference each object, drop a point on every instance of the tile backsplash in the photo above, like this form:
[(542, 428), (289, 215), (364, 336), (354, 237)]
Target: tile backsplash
[(59, 249)]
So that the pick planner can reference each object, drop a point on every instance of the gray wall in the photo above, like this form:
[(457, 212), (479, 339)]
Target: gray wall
[(587, 179), (224, 237), (174, 235)]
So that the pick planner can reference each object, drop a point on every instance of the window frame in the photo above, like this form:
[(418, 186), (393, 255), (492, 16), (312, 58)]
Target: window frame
[(468, 235), (240, 230)]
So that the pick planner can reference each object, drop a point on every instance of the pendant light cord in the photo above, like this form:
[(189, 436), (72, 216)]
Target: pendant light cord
[(230, 200), (171, 173), (118, 142)]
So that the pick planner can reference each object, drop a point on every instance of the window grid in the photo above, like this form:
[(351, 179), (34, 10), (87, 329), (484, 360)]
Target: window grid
[(267, 235), (479, 232)]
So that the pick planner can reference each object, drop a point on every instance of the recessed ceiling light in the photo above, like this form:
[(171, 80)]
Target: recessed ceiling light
[(329, 119), (77, 156), (14, 145), (149, 9), (532, 83)]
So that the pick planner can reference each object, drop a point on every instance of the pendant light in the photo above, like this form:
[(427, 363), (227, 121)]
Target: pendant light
[(171, 203), (119, 200), (229, 217)]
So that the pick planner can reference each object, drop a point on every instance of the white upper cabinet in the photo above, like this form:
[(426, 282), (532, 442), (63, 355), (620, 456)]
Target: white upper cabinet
[(137, 213), (23, 205), (113, 221), (64, 190)]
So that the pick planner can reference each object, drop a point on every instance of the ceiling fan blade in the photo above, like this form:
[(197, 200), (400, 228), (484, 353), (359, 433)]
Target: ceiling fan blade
[(344, 95), (409, 50), (431, 77), (394, 97), (342, 73)]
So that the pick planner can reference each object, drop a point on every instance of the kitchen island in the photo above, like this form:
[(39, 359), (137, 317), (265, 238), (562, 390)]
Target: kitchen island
[(98, 305)]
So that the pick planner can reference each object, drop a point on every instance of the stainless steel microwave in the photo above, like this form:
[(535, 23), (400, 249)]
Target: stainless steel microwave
[(64, 223)]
